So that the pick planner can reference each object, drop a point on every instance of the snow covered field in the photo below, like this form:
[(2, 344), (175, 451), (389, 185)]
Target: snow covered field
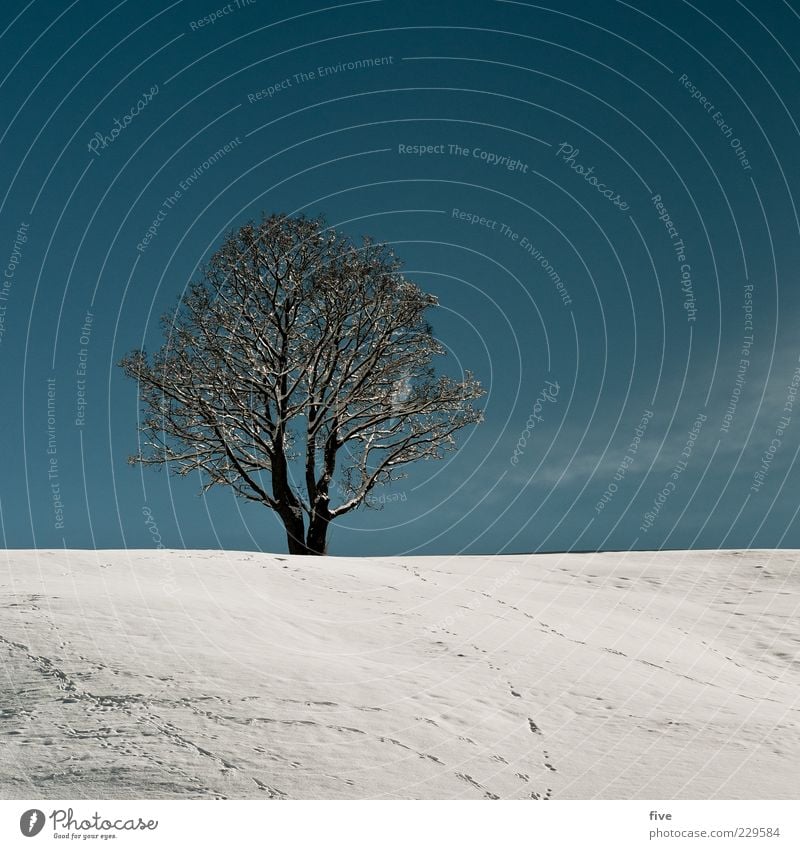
[(155, 674)]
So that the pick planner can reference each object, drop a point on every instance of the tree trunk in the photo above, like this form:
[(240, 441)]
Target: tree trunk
[(317, 539), (289, 509), (295, 531), (296, 546)]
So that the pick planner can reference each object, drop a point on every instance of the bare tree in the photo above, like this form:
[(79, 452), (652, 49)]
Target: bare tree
[(299, 366)]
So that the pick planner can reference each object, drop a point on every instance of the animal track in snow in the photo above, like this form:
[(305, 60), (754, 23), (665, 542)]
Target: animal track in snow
[(470, 780)]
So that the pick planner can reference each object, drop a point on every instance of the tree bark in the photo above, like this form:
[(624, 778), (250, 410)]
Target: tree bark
[(317, 538), (295, 533)]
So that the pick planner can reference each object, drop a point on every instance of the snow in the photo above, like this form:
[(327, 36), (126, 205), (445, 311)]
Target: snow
[(201, 674)]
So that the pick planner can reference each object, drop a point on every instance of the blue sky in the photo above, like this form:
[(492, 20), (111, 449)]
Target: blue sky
[(601, 195)]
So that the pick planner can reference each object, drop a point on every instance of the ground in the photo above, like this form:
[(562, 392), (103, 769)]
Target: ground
[(199, 674)]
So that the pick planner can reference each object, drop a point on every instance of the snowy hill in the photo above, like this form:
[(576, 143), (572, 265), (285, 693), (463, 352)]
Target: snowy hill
[(147, 674)]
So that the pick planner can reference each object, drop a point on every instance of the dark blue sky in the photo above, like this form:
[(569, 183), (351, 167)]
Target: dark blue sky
[(607, 204)]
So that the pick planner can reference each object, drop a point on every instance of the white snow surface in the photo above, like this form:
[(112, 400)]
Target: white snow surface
[(207, 674)]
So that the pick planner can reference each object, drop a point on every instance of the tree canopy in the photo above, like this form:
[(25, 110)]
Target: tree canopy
[(298, 370)]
